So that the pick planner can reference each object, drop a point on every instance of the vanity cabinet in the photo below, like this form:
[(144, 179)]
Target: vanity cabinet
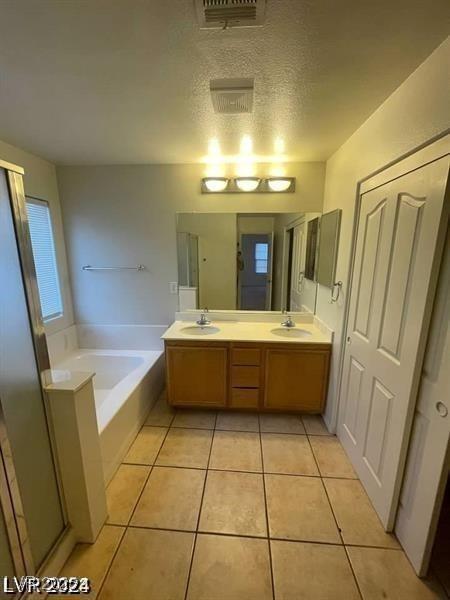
[(295, 379), (197, 375), (248, 375)]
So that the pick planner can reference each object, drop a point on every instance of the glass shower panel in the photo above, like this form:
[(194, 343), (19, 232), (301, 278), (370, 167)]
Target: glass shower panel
[(22, 399)]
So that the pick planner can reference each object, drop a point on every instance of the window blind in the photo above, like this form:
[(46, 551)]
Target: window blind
[(44, 254)]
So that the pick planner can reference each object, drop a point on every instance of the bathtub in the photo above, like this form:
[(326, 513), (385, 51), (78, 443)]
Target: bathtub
[(126, 385)]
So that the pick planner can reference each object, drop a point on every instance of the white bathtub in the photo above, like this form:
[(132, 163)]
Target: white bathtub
[(126, 385)]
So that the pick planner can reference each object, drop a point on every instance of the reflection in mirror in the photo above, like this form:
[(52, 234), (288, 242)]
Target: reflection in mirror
[(258, 262), (328, 247)]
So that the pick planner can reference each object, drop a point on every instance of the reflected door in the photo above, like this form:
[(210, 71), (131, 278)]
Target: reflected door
[(21, 395), (297, 268), (397, 239), (255, 271)]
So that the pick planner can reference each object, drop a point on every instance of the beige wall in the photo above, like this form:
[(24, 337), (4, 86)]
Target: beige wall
[(40, 182), (416, 112), (217, 239), (116, 215)]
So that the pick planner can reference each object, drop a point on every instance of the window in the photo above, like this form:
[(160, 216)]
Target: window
[(44, 258), (261, 258)]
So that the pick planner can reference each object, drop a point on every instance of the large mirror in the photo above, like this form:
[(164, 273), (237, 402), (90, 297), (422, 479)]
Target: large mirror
[(257, 262)]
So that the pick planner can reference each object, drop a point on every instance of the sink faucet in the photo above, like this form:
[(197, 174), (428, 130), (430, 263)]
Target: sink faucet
[(203, 320), (288, 322)]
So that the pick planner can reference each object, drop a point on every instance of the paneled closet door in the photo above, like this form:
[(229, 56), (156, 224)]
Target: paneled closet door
[(426, 470), (29, 452), (400, 230)]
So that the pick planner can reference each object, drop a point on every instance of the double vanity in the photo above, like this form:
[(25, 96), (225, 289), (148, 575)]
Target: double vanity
[(248, 361)]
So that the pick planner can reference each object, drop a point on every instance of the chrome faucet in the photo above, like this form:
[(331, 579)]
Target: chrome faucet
[(288, 322), (203, 320)]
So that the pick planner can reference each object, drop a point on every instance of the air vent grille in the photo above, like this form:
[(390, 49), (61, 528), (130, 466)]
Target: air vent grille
[(234, 13), (232, 96)]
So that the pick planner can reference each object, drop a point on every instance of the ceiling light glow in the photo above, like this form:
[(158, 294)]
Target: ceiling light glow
[(279, 146), (246, 146)]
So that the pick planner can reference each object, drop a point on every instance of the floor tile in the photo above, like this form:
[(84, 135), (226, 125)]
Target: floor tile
[(195, 419), (305, 571), (387, 574), (236, 451), (299, 509), (234, 503), (285, 453), (171, 499), (123, 492), (235, 421), (186, 448), (355, 515), (314, 425), (331, 457), (93, 560), (150, 564), (161, 414), (273, 423), (146, 446), (230, 568)]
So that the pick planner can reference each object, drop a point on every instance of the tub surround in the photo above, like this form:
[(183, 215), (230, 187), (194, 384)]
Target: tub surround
[(72, 406), (248, 361), (126, 382)]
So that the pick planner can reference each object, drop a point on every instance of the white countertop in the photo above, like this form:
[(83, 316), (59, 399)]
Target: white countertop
[(248, 331)]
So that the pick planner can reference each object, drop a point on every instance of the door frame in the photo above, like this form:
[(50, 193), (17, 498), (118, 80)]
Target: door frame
[(427, 153)]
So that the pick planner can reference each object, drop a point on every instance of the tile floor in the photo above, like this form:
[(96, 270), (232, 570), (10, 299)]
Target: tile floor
[(233, 506)]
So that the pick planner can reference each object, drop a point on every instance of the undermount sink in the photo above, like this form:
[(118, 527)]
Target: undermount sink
[(199, 330), (291, 332)]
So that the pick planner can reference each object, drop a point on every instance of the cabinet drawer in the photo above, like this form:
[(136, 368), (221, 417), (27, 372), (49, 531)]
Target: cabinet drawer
[(244, 398), (245, 377), (246, 356)]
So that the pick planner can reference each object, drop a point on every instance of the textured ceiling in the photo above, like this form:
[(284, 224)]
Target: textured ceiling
[(127, 81)]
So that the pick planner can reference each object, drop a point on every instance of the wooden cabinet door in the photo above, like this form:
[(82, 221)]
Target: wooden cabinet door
[(296, 379), (197, 376)]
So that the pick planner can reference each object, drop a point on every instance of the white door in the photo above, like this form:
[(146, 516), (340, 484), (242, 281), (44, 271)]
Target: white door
[(399, 232), (426, 468), (297, 267)]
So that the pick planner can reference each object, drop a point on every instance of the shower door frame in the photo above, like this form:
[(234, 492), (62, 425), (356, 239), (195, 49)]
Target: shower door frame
[(10, 498)]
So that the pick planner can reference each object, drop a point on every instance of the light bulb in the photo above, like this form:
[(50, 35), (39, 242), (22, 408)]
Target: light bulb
[(279, 184), (215, 184), (247, 184)]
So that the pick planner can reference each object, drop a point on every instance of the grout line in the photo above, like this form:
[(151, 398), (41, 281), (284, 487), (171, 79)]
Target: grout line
[(148, 477), (200, 512), (336, 522), (266, 512), (132, 513)]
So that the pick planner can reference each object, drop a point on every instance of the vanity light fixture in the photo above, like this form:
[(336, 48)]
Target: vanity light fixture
[(280, 184), (247, 184), (215, 184)]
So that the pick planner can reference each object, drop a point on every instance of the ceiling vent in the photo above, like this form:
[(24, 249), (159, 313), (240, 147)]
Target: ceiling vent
[(220, 14), (232, 96)]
